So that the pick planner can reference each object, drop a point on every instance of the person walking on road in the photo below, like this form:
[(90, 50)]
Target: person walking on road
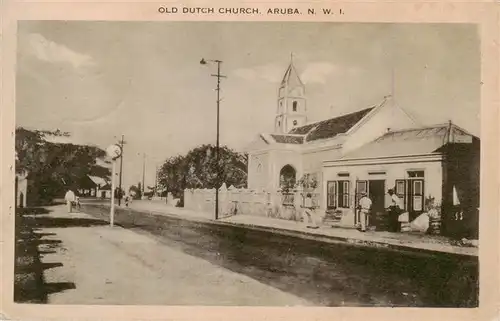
[(364, 206), (70, 198)]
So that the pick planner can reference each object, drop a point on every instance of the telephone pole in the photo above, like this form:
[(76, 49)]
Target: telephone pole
[(156, 181), (218, 169), (143, 170), (121, 143)]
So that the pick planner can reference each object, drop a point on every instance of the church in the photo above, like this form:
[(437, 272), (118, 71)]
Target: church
[(370, 150)]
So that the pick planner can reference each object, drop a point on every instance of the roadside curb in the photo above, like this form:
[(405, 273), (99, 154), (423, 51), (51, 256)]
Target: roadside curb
[(402, 248)]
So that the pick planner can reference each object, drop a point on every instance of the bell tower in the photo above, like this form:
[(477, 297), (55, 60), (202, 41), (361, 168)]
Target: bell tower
[(291, 111)]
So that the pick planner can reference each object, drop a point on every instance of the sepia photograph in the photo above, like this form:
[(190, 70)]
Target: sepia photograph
[(224, 163)]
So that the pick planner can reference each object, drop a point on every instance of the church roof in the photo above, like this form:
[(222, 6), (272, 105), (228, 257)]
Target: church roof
[(331, 127), (415, 141), (291, 77), (288, 139)]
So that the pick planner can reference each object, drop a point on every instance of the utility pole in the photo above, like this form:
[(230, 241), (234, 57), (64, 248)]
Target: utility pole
[(218, 170), (143, 171), (156, 181), (122, 142)]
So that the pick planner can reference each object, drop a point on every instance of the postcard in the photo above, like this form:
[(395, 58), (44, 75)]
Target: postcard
[(247, 160)]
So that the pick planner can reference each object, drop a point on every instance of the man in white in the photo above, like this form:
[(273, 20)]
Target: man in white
[(365, 204), (395, 200), (70, 198), (310, 215)]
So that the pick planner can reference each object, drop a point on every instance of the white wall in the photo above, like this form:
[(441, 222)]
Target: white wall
[(387, 116), (433, 179), (258, 178)]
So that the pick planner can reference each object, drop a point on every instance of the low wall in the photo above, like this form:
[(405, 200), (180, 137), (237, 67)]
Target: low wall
[(276, 204)]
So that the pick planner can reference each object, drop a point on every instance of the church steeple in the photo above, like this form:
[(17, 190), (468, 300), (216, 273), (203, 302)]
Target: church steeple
[(291, 110)]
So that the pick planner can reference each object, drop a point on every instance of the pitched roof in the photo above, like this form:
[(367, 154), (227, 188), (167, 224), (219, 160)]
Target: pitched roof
[(106, 187), (288, 139), (416, 141), (291, 77), (99, 181), (331, 127)]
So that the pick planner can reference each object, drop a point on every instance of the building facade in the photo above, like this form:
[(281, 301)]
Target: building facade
[(371, 150), (21, 190)]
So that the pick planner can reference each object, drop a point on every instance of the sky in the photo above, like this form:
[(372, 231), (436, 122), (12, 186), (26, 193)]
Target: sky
[(143, 80)]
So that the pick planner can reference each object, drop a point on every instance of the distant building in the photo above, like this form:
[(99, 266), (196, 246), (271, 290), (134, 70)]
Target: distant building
[(101, 187), (370, 150)]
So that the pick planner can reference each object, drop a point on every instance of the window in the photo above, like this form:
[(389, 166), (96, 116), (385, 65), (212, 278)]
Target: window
[(294, 123), (294, 106), (415, 174), (331, 195), (401, 192), (377, 173), (344, 194), (418, 195), (411, 191), (337, 194)]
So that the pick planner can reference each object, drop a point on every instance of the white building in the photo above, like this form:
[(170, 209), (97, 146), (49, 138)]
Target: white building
[(21, 190), (373, 149)]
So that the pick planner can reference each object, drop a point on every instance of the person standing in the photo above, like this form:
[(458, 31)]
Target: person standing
[(70, 198), (394, 210), (310, 215), (364, 206)]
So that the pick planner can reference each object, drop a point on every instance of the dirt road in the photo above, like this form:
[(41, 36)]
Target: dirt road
[(87, 262)]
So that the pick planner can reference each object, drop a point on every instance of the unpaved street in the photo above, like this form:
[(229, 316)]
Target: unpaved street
[(87, 262)]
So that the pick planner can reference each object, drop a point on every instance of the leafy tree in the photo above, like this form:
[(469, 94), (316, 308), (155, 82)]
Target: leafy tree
[(54, 167), (199, 169), (135, 192)]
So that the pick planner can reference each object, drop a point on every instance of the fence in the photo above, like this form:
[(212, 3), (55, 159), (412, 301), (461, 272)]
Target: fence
[(251, 202)]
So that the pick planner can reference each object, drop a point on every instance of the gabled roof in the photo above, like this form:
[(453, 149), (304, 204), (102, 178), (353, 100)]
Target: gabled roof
[(288, 139), (331, 127), (99, 181), (415, 141), (106, 187)]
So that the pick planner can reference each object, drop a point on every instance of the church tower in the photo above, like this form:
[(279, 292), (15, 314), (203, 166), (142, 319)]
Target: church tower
[(291, 110)]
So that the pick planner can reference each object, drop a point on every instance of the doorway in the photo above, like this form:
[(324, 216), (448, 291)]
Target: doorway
[(376, 191)]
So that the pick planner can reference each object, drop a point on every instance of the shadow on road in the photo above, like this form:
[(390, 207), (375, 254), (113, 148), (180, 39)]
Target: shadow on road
[(63, 222), (33, 211), (56, 287), (29, 283)]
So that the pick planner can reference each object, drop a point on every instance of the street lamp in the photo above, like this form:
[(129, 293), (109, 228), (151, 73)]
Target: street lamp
[(219, 76)]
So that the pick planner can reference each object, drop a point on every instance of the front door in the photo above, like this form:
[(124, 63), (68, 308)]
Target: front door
[(376, 192)]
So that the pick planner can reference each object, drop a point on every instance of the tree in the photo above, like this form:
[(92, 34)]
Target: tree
[(54, 167), (135, 192), (198, 169)]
